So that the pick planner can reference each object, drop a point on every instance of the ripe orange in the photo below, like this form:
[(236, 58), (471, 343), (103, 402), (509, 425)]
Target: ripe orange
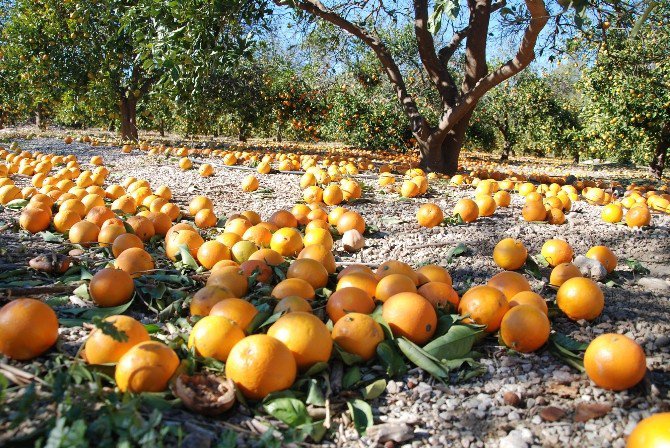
[(525, 328), (103, 349), (393, 284), (237, 310), (34, 219), (440, 295), (612, 213), (534, 211), (177, 238), (205, 298), (126, 241), (231, 278), (84, 233), (652, 432), (485, 305), (259, 365), (287, 242), (580, 298), (63, 221), (410, 315), (199, 203), (605, 256), (615, 362), (335, 214), (529, 298), (350, 220), (211, 252), (146, 367), (318, 236), (350, 269), (485, 204), (98, 215), (358, 334), (305, 336), (321, 254), (134, 261), (502, 198), (467, 209), (309, 270), (142, 227), (433, 273), (557, 252), (111, 287), (348, 300), (638, 216), (361, 280), (262, 270), (509, 283), (214, 337), (258, 235), (291, 304), (109, 233), (429, 215), (28, 328), (332, 195), (396, 267), (293, 287), (510, 254), (283, 218), (268, 256), (563, 272)]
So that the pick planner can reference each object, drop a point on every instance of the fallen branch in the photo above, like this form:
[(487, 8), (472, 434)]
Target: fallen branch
[(8, 293)]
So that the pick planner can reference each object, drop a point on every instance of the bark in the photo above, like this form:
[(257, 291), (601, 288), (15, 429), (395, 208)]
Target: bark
[(242, 135), (441, 156), (575, 158), (39, 117), (507, 149), (279, 131), (128, 109), (161, 127), (661, 152)]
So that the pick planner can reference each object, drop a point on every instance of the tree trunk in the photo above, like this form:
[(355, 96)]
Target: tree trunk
[(279, 131), (39, 117), (442, 157), (575, 158), (161, 127), (242, 135), (129, 119), (507, 149), (661, 152)]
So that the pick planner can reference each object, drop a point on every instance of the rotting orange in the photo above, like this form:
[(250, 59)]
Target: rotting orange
[(28, 328), (101, 348), (410, 315), (146, 367), (525, 328), (214, 337), (348, 300), (358, 334), (305, 336), (580, 298), (485, 305), (615, 362)]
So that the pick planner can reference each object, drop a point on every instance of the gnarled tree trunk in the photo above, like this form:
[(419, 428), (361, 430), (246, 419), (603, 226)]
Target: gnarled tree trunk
[(661, 152), (128, 109), (39, 117)]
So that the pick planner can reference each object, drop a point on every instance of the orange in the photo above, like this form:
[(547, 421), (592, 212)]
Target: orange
[(205, 219), (237, 310), (229, 238), (190, 238), (84, 233), (142, 227), (258, 235), (605, 256), (510, 254), (268, 256), (485, 305), (485, 204), (580, 298), (109, 233), (253, 217), (291, 304), (348, 300), (283, 218), (126, 241), (332, 195), (393, 284), (396, 267), (249, 183), (305, 336), (28, 328), (259, 365), (502, 198), (411, 316), (98, 215), (319, 236), (429, 215), (231, 278), (199, 203), (262, 270), (529, 298), (63, 221), (103, 349), (652, 432), (160, 221), (556, 252), (317, 224), (534, 211), (638, 216), (146, 367), (509, 283), (563, 272), (467, 209), (134, 261), (309, 270), (321, 254), (355, 268), (111, 287), (358, 334), (361, 280), (335, 215), (615, 362), (205, 298), (612, 213), (440, 295), (34, 220), (214, 337), (293, 287), (211, 252), (287, 242), (350, 220), (525, 328), (433, 273)]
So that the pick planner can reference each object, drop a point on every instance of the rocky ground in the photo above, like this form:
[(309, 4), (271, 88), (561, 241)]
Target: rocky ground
[(522, 400)]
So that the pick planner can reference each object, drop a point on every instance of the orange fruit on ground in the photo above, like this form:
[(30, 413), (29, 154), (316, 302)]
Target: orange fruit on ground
[(350, 220), (563, 272), (134, 261), (253, 217), (211, 252), (111, 287), (176, 227), (34, 220), (146, 367), (555, 216), (433, 273), (287, 242), (510, 254), (580, 298), (332, 195), (283, 218), (652, 432), (557, 252), (393, 284), (231, 278), (467, 209), (485, 204), (84, 233), (534, 211), (214, 337), (28, 328), (258, 235), (509, 283), (237, 310), (109, 233), (293, 287), (291, 304), (615, 362), (174, 240), (529, 298), (73, 205), (638, 216), (411, 316), (318, 224), (259, 365), (348, 300), (309, 270), (318, 236), (229, 238), (429, 215), (161, 222), (321, 254), (126, 241), (98, 215), (63, 221), (335, 215), (525, 328), (103, 349), (305, 336), (268, 256), (260, 268), (440, 295), (199, 203), (605, 256), (396, 267), (350, 269), (205, 298), (485, 305), (360, 280), (205, 218), (502, 198), (142, 227), (358, 334)]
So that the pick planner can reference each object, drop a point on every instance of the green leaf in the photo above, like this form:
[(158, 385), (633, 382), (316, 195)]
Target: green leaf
[(564, 349), (262, 319), (17, 204), (457, 251), (361, 414), (456, 343), (110, 329), (567, 342), (421, 359), (82, 291), (531, 267), (374, 389), (637, 267), (186, 257), (314, 394), (50, 237), (288, 410), (351, 377), (391, 359), (346, 357), (4, 384)]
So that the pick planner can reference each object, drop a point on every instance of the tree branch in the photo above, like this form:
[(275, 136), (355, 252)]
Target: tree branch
[(448, 50)]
